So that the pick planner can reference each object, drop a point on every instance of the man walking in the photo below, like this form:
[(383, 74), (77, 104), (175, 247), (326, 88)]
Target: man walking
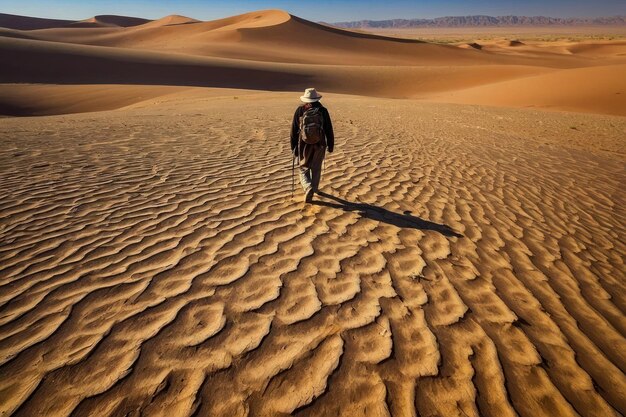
[(311, 134)]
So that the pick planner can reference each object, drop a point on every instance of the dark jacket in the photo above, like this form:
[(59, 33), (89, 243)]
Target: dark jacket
[(328, 126)]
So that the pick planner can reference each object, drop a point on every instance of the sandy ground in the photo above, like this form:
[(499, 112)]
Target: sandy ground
[(465, 261), (466, 257)]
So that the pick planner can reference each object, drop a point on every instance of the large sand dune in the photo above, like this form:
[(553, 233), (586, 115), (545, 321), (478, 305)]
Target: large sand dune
[(274, 50), (153, 261), (83, 64), (464, 259), (566, 89), (277, 36), (30, 23)]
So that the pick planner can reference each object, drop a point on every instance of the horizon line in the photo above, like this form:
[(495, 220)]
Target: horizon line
[(325, 21)]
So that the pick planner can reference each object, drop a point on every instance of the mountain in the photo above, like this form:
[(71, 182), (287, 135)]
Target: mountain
[(470, 21)]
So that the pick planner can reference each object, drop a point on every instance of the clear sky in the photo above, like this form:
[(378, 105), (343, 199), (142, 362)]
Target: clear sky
[(318, 10)]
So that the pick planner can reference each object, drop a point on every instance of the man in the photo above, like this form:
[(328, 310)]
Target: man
[(311, 134)]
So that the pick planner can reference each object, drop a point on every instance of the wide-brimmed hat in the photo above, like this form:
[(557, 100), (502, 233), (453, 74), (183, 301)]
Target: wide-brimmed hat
[(310, 96)]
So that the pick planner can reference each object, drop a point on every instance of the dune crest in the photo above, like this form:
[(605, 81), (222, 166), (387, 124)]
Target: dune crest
[(170, 20), (114, 20), (261, 18), (11, 21)]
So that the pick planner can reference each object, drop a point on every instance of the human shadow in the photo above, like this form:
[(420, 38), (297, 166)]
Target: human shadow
[(380, 214)]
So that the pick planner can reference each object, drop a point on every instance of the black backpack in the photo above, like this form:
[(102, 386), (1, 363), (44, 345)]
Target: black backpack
[(311, 126)]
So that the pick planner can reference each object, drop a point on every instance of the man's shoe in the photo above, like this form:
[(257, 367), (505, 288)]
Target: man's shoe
[(308, 195)]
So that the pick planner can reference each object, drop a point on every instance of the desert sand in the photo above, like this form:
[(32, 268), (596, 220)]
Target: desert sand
[(272, 50), (466, 256)]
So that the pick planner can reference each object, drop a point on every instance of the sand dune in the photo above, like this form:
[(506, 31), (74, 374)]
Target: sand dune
[(274, 50), (565, 90), (464, 262), (66, 63), (110, 20), (71, 63), (169, 21), (276, 36), (599, 49), (11, 21), (34, 23), (78, 63), (38, 100), (463, 259), (269, 36), (606, 52)]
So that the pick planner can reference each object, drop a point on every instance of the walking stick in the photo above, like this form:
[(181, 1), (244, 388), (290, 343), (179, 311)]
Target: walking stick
[(293, 169)]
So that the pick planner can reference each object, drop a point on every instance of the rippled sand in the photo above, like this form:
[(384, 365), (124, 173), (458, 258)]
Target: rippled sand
[(465, 261)]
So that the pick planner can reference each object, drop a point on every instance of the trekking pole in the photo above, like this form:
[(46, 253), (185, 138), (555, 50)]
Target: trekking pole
[(293, 169), (323, 165)]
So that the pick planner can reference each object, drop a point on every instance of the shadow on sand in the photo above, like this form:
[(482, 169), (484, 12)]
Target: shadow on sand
[(380, 214)]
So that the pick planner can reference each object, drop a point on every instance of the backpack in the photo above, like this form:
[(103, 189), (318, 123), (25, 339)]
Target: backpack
[(311, 126)]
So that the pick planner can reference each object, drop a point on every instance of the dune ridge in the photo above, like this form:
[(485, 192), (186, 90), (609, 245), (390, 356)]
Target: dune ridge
[(11, 21), (110, 20), (169, 21)]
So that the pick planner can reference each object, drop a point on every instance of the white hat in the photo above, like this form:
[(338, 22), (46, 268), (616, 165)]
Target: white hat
[(310, 96)]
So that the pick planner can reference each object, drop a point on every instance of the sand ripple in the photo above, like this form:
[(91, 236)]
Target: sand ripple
[(465, 262)]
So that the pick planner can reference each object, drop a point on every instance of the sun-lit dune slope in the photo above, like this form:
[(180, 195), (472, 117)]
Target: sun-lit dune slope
[(599, 49), (586, 52), (11, 21), (593, 89), (276, 36), (13, 33), (298, 40)]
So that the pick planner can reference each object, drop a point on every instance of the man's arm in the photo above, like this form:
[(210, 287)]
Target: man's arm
[(328, 130)]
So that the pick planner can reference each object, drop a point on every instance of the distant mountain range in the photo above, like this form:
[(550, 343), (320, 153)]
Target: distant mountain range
[(472, 21)]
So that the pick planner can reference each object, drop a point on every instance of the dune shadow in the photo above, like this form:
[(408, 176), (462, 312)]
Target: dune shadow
[(380, 214)]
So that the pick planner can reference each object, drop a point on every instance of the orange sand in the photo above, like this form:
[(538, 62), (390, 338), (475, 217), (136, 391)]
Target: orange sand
[(465, 260)]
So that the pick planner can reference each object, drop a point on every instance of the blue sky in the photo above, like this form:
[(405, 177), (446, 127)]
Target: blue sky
[(318, 10)]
